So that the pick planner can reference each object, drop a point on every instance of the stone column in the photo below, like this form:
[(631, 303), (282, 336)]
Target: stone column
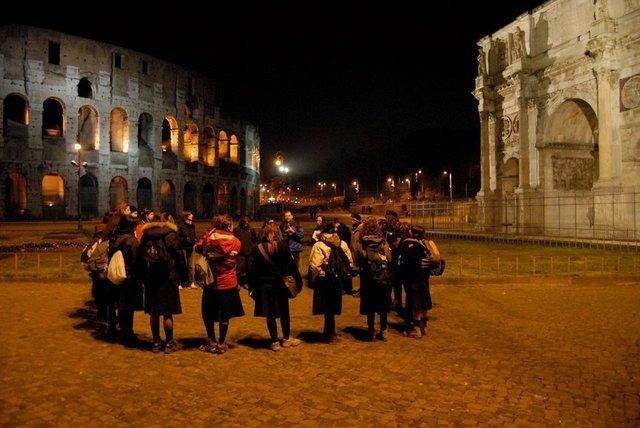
[(484, 152), (523, 137), (606, 82), (532, 118), (492, 153)]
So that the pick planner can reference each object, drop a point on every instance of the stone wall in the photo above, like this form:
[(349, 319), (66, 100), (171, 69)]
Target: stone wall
[(558, 92), (104, 92)]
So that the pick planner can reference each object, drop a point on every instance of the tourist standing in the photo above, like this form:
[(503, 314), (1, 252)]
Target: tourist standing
[(187, 234), (292, 234), (130, 290), (419, 260), (162, 268), (221, 301), (271, 262), (328, 274), (317, 231), (248, 240), (374, 259)]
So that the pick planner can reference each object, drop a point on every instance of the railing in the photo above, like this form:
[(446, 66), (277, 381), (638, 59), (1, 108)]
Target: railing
[(45, 265)]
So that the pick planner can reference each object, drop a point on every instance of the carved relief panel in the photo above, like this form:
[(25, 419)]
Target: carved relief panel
[(572, 173)]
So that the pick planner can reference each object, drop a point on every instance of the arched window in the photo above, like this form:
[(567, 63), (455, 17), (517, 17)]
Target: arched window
[(85, 88), (209, 156), (15, 195), (190, 152), (145, 129), (233, 150), (88, 128), (168, 197), (223, 145), (52, 118), (118, 191), (169, 134), (119, 130), (15, 116)]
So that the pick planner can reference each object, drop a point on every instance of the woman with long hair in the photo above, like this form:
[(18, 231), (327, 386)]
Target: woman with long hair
[(271, 262)]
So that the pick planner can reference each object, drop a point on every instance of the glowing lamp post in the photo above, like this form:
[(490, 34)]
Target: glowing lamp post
[(78, 166), (450, 174)]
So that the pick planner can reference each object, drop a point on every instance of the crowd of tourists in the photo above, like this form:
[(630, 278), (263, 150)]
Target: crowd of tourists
[(139, 261)]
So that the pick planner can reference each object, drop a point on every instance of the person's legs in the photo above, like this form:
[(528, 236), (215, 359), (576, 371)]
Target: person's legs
[(155, 327), (168, 327), (285, 318), (383, 326), (125, 316), (210, 326), (273, 329), (329, 324), (371, 321), (224, 327)]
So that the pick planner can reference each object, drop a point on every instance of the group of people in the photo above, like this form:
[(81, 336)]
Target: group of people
[(161, 255)]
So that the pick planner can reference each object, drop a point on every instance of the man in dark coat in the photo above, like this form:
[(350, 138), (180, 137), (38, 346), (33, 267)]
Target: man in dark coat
[(187, 234), (248, 240)]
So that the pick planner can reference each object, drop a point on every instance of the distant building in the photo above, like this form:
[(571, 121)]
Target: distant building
[(152, 132), (559, 103)]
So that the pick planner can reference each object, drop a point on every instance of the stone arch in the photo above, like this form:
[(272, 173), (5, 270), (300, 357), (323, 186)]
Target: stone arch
[(144, 194), (15, 117), (53, 203), (222, 201), (208, 200), (243, 202), (145, 129), (209, 145), (15, 195), (88, 195), (169, 134), (223, 145), (52, 118), (85, 88), (190, 138), (190, 197), (510, 174), (118, 191), (88, 128), (569, 150), (168, 197), (119, 130), (233, 149), (233, 202)]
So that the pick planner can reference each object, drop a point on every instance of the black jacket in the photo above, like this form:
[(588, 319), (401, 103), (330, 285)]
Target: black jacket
[(174, 267), (264, 274), (248, 239), (187, 234)]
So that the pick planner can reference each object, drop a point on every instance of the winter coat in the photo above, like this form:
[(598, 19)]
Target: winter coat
[(327, 298), (187, 234), (221, 247), (175, 268), (343, 233), (321, 250), (248, 239), (292, 234), (374, 297), (124, 240)]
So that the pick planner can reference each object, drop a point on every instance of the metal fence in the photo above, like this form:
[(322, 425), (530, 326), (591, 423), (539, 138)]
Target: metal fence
[(573, 215)]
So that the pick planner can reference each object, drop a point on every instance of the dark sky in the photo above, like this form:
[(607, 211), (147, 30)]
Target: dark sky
[(314, 75)]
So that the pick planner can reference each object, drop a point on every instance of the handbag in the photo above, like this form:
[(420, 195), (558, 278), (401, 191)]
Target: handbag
[(288, 281)]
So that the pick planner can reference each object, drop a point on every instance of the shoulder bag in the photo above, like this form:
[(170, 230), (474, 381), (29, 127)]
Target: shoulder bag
[(289, 281)]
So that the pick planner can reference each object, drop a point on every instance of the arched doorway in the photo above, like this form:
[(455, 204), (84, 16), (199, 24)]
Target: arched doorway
[(145, 130), (169, 134), (88, 127), (15, 196), (168, 197), (209, 145), (208, 199), (233, 149), (85, 88), (53, 204), (243, 202), (52, 118), (570, 147), (88, 196), (233, 202), (118, 130), (190, 138), (144, 194), (15, 116), (222, 201), (190, 198), (223, 145), (118, 192), (510, 175)]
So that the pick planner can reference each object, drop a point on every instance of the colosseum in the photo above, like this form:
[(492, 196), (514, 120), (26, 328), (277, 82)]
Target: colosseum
[(86, 125)]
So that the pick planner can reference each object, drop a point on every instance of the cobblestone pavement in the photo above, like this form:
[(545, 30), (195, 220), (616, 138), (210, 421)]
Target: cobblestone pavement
[(495, 354)]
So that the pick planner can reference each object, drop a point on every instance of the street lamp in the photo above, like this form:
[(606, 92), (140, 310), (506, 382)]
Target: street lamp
[(450, 174), (335, 189), (78, 166)]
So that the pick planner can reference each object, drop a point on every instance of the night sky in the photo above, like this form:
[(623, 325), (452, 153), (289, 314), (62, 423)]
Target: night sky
[(318, 77)]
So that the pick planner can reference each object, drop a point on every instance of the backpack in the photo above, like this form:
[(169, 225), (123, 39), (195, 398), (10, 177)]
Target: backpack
[(116, 271), (98, 259), (154, 249), (426, 257), (376, 265), (337, 267)]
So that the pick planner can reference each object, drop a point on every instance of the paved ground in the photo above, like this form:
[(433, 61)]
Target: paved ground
[(499, 354)]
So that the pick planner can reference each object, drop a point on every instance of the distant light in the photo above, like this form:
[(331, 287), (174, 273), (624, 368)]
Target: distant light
[(445, 173), (281, 168), (389, 179), (355, 183), (419, 171), (77, 146), (278, 162), (286, 170)]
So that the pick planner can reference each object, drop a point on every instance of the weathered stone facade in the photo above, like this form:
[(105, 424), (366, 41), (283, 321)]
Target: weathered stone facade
[(559, 103), (152, 133)]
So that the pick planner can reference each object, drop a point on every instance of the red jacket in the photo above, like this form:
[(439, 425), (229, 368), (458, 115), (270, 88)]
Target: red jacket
[(221, 247)]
